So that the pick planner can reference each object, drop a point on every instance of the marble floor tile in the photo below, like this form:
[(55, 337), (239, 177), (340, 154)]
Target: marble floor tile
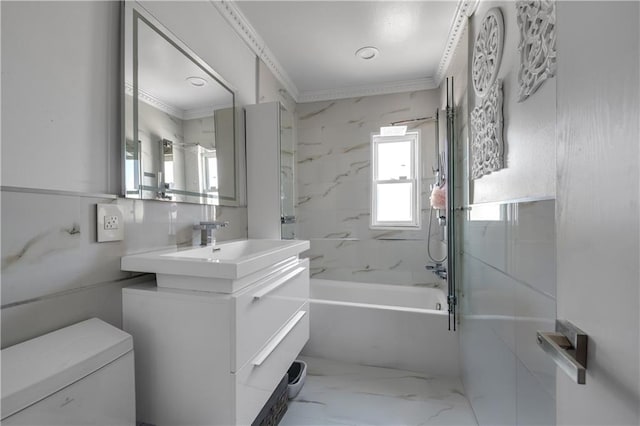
[(337, 393)]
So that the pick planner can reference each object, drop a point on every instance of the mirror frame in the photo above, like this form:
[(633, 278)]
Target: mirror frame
[(132, 13)]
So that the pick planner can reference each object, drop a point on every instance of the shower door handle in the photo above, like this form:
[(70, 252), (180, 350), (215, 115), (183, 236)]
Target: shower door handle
[(568, 348)]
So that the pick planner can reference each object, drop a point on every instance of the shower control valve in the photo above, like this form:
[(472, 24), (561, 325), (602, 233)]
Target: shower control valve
[(434, 266)]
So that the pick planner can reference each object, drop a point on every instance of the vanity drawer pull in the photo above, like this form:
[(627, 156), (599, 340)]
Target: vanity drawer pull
[(278, 338), (271, 287)]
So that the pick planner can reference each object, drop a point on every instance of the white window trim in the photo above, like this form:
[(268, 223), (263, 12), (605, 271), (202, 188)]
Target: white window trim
[(206, 154), (414, 137)]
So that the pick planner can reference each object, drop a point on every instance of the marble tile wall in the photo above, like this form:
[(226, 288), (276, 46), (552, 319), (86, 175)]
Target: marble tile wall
[(333, 190), (54, 273), (508, 293)]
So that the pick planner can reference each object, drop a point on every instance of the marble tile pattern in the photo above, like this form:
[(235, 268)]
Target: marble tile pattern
[(49, 251), (337, 393), (508, 292), (333, 190)]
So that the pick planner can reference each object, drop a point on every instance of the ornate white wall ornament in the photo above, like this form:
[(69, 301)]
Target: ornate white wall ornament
[(537, 22), (486, 126), (487, 52)]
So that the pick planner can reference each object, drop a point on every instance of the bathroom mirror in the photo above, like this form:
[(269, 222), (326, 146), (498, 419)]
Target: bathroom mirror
[(180, 119)]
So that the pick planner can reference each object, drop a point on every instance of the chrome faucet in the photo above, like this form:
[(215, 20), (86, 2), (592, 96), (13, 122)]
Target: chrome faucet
[(439, 269), (207, 231)]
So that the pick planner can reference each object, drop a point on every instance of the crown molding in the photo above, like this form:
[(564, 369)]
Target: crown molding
[(181, 114), (250, 36), (464, 10), (192, 114), (368, 90), (154, 102), (234, 16)]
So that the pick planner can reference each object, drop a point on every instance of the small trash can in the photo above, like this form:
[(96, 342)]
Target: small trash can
[(297, 374)]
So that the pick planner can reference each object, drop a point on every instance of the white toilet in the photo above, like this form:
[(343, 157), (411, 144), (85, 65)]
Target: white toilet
[(79, 375)]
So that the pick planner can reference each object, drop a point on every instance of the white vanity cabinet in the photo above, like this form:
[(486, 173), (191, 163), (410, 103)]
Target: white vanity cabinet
[(207, 358)]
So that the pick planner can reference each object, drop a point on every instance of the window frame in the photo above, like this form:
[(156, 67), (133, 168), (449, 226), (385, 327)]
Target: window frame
[(415, 224), (206, 155)]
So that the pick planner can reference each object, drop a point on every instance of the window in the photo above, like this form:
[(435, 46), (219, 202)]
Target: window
[(487, 212), (395, 181), (210, 170)]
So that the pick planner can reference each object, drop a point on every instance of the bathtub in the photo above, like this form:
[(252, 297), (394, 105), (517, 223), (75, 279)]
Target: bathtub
[(382, 325)]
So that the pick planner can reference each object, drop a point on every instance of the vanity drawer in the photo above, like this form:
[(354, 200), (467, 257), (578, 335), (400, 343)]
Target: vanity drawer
[(263, 309), (257, 380)]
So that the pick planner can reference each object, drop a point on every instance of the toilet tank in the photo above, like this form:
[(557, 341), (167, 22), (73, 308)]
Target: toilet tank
[(79, 375)]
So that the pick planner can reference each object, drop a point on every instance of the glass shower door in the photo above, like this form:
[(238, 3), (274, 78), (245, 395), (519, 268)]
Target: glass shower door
[(452, 201)]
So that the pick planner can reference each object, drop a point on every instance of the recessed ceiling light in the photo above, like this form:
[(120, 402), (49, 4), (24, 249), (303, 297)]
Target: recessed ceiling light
[(196, 81), (367, 52)]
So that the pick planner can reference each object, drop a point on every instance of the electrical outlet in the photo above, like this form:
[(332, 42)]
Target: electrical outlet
[(109, 223)]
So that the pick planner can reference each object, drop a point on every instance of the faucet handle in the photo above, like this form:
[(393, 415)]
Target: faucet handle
[(433, 266), (207, 231), (211, 225)]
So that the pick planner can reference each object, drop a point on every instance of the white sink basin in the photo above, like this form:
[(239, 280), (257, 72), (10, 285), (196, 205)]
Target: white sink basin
[(234, 252), (226, 269)]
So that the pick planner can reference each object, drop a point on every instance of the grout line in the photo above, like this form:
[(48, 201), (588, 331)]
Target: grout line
[(519, 281), (74, 290), (20, 189)]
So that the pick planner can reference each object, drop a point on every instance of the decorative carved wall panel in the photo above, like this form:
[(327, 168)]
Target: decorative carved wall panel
[(487, 146), (537, 22), (487, 52)]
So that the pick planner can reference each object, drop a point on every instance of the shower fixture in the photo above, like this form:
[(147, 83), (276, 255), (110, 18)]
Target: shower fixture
[(440, 181), (413, 120), (438, 268)]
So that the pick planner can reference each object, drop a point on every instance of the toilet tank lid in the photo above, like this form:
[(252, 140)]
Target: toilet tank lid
[(39, 367)]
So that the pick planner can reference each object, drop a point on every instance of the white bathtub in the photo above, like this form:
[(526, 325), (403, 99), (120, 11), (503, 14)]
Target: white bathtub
[(382, 325)]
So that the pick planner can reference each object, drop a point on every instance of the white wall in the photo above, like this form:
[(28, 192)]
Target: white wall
[(60, 114), (60, 97), (271, 90), (529, 126)]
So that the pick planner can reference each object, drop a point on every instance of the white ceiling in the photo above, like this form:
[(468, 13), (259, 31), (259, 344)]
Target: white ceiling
[(313, 43), (162, 79)]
